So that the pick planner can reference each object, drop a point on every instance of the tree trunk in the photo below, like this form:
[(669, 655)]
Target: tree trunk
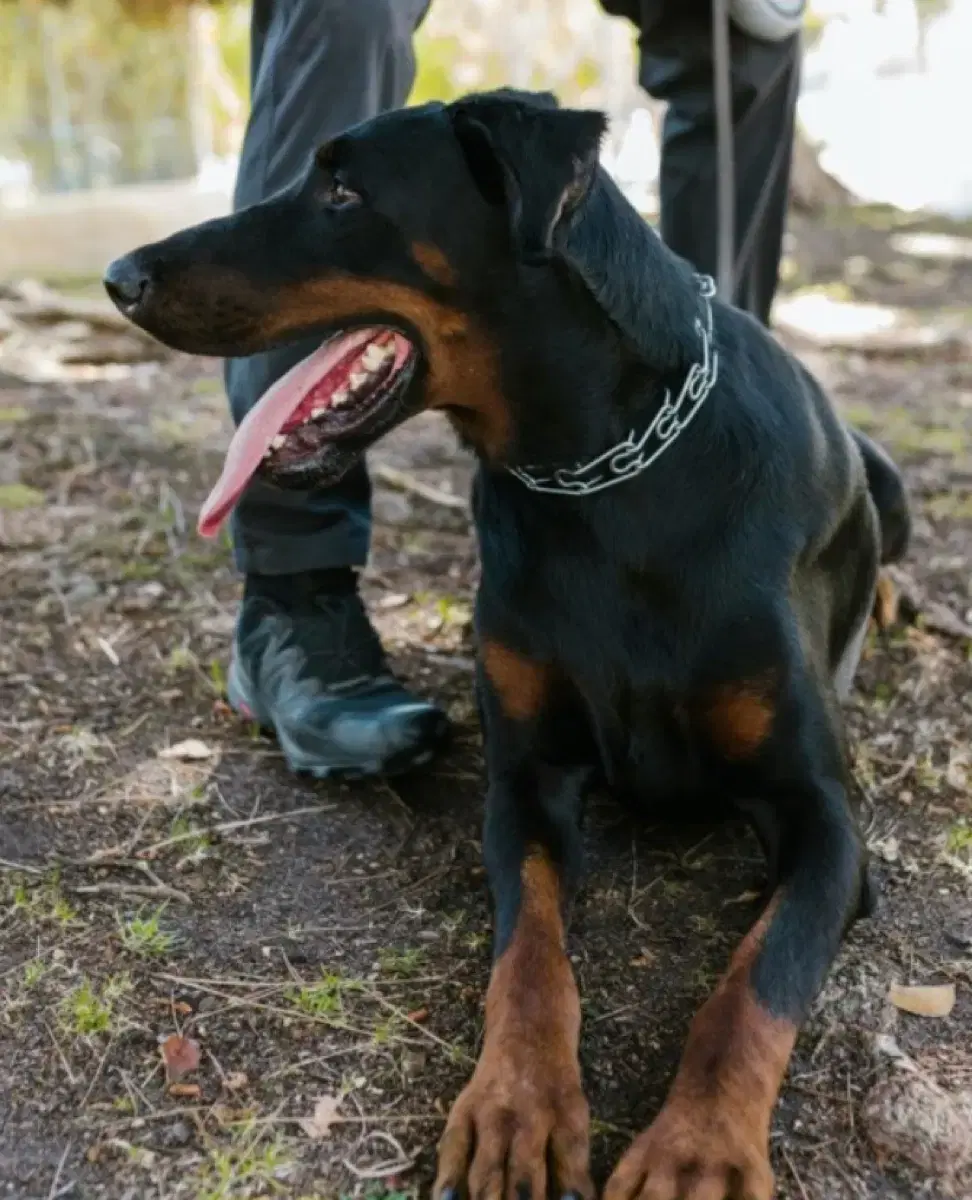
[(812, 189)]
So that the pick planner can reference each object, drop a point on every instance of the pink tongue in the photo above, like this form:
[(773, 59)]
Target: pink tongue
[(265, 420)]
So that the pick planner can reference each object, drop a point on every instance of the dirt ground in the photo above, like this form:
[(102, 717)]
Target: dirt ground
[(327, 947)]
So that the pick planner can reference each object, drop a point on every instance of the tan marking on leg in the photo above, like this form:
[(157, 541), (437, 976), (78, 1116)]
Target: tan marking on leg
[(886, 603), (739, 716), (524, 1109), (520, 685)]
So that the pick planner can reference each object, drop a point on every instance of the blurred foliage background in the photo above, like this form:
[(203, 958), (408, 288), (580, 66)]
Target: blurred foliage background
[(105, 92), (98, 93)]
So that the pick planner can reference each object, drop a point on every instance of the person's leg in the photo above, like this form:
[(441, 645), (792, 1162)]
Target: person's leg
[(317, 67), (676, 66), (306, 661)]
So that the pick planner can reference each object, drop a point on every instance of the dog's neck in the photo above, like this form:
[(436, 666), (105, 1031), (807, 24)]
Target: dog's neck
[(645, 442), (657, 355)]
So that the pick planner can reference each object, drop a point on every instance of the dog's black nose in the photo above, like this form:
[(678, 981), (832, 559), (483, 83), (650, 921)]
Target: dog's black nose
[(126, 282)]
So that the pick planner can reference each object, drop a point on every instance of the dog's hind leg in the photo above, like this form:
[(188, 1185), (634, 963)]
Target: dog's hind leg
[(887, 489), (521, 1126)]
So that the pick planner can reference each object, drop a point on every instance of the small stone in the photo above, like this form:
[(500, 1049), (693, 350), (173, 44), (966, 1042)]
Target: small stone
[(177, 1134), (910, 1116), (414, 1063), (82, 592)]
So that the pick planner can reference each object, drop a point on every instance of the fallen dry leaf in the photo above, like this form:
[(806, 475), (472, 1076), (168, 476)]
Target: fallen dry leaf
[(235, 1081), (180, 1055), (935, 1001), (325, 1114), (420, 1015), (191, 750), (187, 1091)]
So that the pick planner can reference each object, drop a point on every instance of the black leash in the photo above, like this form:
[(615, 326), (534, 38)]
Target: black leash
[(771, 20), (725, 153)]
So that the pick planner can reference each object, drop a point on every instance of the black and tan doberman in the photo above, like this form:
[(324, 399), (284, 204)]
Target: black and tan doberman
[(680, 545)]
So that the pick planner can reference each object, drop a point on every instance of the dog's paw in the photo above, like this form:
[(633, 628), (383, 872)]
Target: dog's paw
[(695, 1152), (519, 1120)]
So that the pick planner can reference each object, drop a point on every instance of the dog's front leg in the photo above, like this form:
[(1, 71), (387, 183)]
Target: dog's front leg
[(523, 1115), (711, 1139)]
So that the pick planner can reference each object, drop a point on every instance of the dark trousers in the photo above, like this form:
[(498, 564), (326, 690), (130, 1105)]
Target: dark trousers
[(317, 68), (676, 66), (321, 66)]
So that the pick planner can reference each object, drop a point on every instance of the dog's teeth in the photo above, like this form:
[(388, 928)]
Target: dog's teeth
[(319, 411), (373, 357), (387, 352), (278, 442), (357, 379), (340, 397)]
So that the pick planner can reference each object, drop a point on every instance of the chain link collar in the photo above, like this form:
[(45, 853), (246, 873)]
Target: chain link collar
[(636, 453)]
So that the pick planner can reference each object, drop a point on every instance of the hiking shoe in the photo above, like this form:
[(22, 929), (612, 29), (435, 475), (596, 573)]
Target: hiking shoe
[(308, 665)]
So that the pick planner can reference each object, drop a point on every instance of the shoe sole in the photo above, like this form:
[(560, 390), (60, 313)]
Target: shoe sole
[(302, 764)]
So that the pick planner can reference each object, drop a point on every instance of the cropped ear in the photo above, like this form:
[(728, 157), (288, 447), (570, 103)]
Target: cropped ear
[(532, 157)]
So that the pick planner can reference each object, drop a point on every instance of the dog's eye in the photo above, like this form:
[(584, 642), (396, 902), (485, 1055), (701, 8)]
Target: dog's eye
[(339, 195)]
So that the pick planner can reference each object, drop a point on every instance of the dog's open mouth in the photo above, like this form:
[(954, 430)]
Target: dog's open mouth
[(345, 389)]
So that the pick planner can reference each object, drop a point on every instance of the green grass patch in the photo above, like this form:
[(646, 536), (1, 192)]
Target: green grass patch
[(401, 963), (950, 506), (144, 936), (34, 971), (192, 842), (246, 1167), (17, 496), (958, 841), (42, 901), (87, 1010), (324, 997)]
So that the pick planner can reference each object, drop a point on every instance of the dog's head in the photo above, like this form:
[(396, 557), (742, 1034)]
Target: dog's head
[(422, 247)]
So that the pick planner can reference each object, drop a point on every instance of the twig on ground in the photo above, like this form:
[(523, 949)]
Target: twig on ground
[(97, 1075), (404, 1162), (150, 891), (412, 887), (60, 1053), (794, 1172), (295, 1014), (882, 785), (159, 1114), (401, 481), (616, 1012), (6, 864), (55, 1191), (359, 1119), (108, 858), (427, 1033), (229, 826), (269, 985)]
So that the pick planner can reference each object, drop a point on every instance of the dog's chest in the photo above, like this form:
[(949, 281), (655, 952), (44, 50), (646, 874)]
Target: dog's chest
[(627, 667), (647, 740)]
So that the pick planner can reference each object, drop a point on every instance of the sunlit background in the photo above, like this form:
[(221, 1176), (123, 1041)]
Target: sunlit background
[(132, 123)]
